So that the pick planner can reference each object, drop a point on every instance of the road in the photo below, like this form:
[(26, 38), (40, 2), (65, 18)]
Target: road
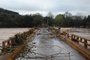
[(46, 46)]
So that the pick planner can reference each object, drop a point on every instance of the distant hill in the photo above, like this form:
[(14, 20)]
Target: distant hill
[(4, 11)]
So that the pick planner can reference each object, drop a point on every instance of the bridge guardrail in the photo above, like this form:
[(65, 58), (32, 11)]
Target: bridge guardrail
[(13, 42), (79, 43)]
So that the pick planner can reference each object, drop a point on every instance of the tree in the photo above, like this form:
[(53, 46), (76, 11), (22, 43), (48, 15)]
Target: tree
[(48, 20), (88, 21), (59, 20), (50, 15), (37, 19)]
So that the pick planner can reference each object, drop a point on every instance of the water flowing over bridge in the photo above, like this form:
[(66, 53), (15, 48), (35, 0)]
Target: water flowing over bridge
[(47, 44)]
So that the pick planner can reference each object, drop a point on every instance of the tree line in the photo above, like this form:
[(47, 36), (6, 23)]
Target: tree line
[(72, 21), (13, 19)]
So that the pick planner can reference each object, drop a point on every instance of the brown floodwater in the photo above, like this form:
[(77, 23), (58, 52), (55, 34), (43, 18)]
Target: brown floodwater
[(5, 33)]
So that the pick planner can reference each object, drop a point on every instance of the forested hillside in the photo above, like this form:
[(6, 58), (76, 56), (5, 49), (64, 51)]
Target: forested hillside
[(4, 11)]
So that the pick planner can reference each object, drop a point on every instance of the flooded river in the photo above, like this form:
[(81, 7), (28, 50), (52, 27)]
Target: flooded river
[(82, 32), (5, 33), (45, 46)]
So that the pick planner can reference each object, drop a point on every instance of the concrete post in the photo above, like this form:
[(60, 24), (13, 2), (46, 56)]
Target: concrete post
[(85, 43)]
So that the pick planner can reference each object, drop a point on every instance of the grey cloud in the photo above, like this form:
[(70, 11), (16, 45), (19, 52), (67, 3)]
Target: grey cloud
[(47, 5)]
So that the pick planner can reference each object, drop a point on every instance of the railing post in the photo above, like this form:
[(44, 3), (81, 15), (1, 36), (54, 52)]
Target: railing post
[(80, 39), (85, 43), (73, 38), (3, 46), (67, 35), (13, 43), (77, 39), (8, 43)]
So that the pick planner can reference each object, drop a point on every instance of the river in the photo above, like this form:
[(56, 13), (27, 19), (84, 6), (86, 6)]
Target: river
[(5, 33)]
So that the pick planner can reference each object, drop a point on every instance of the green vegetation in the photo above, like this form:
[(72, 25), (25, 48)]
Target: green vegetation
[(13, 19), (59, 20)]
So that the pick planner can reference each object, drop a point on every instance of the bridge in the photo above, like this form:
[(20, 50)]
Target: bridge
[(45, 44)]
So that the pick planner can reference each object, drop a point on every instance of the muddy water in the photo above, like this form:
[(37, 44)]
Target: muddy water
[(83, 32), (6, 33), (46, 46)]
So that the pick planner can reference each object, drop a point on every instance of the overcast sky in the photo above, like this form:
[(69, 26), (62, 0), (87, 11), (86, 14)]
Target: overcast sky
[(44, 6)]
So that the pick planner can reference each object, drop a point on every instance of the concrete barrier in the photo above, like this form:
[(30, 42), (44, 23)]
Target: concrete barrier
[(74, 41), (13, 47)]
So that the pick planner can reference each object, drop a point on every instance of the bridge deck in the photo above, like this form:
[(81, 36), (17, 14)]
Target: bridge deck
[(47, 45)]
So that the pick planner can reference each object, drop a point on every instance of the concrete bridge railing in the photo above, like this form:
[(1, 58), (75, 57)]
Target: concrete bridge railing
[(81, 44), (13, 42), (80, 40)]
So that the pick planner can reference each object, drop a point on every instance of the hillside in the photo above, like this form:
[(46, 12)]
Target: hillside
[(4, 11)]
